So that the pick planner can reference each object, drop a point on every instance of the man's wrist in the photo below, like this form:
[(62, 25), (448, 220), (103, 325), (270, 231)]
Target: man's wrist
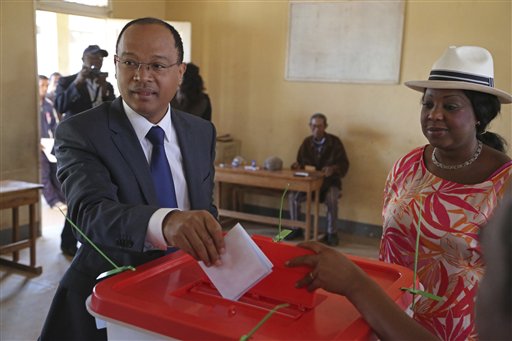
[(166, 224), (154, 234)]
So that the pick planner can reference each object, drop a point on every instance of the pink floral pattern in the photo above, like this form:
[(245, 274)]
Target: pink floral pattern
[(449, 263)]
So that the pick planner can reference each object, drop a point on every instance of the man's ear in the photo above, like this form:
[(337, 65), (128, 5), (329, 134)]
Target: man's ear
[(115, 66), (181, 72)]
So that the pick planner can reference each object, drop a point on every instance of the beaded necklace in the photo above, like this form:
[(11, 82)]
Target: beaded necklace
[(460, 165)]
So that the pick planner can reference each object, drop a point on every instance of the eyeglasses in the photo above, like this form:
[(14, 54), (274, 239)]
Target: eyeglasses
[(133, 65)]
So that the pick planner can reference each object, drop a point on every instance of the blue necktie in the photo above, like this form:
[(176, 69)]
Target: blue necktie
[(160, 170)]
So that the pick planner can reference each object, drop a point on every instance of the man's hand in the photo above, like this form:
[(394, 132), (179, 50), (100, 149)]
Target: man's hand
[(82, 76), (329, 170), (101, 80), (295, 165), (197, 233)]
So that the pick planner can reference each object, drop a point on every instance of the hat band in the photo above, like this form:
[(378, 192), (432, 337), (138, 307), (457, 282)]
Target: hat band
[(440, 75)]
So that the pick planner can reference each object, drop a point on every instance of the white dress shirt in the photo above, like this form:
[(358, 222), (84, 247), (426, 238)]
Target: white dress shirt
[(154, 235), (94, 92)]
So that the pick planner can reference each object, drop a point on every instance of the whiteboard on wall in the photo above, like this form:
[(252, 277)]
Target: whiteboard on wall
[(349, 41)]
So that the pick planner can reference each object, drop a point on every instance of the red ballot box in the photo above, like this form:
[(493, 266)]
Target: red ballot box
[(173, 298)]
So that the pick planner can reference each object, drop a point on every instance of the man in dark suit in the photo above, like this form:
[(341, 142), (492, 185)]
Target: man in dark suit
[(103, 157), (87, 88)]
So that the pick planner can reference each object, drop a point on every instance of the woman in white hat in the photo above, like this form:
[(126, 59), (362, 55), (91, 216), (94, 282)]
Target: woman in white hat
[(445, 191)]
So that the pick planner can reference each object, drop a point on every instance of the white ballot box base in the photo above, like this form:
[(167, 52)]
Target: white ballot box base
[(119, 331)]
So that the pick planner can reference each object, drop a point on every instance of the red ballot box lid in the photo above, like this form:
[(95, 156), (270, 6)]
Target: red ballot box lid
[(172, 296)]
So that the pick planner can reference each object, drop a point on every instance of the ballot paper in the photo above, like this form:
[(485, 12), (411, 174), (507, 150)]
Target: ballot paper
[(47, 144), (243, 265)]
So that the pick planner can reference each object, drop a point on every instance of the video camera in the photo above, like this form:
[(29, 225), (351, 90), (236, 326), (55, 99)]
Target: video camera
[(97, 72)]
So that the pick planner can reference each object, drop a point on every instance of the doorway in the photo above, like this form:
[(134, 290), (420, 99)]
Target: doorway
[(62, 38)]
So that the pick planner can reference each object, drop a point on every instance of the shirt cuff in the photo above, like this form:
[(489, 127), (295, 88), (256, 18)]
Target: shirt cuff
[(155, 236)]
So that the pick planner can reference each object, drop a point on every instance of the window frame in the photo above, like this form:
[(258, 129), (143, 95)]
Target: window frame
[(61, 6)]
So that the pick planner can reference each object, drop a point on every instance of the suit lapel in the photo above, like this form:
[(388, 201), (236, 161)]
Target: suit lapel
[(126, 141), (189, 156)]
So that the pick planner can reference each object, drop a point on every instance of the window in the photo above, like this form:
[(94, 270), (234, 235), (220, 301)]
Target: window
[(95, 8), (97, 3)]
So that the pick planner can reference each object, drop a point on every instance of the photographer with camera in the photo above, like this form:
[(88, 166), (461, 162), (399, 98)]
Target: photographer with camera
[(76, 93), (86, 89)]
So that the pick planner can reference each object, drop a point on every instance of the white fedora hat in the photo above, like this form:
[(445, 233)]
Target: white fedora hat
[(463, 68)]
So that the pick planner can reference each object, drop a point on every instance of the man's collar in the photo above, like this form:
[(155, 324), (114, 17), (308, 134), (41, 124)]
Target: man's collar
[(141, 125)]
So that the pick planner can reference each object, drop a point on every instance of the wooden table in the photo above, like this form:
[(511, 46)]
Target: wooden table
[(14, 194), (275, 180)]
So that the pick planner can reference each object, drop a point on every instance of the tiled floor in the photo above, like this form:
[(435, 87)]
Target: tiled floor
[(25, 298)]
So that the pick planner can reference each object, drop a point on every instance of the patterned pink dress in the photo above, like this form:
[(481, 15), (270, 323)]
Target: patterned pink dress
[(449, 264)]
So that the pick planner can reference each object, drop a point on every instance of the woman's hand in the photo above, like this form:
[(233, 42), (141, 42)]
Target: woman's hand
[(331, 270), (334, 272)]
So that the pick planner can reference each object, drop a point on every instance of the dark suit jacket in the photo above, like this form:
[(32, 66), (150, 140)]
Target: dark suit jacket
[(332, 154), (108, 183), (111, 197), (70, 100)]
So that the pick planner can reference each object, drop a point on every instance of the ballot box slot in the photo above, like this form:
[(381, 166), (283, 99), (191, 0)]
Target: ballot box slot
[(248, 301)]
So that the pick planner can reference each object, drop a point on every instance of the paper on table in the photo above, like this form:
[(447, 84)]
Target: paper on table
[(243, 265), (47, 144)]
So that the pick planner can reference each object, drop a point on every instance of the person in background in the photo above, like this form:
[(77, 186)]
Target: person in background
[(52, 191), (52, 86), (191, 97), (86, 89), (323, 152), (444, 192), (48, 123), (138, 175)]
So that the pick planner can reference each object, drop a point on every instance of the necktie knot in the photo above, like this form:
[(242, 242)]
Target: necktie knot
[(156, 136)]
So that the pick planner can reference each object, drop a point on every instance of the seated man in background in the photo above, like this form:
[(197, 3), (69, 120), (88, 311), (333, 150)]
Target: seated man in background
[(324, 152)]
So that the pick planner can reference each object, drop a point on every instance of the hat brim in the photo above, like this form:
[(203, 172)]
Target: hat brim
[(100, 52), (503, 97)]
